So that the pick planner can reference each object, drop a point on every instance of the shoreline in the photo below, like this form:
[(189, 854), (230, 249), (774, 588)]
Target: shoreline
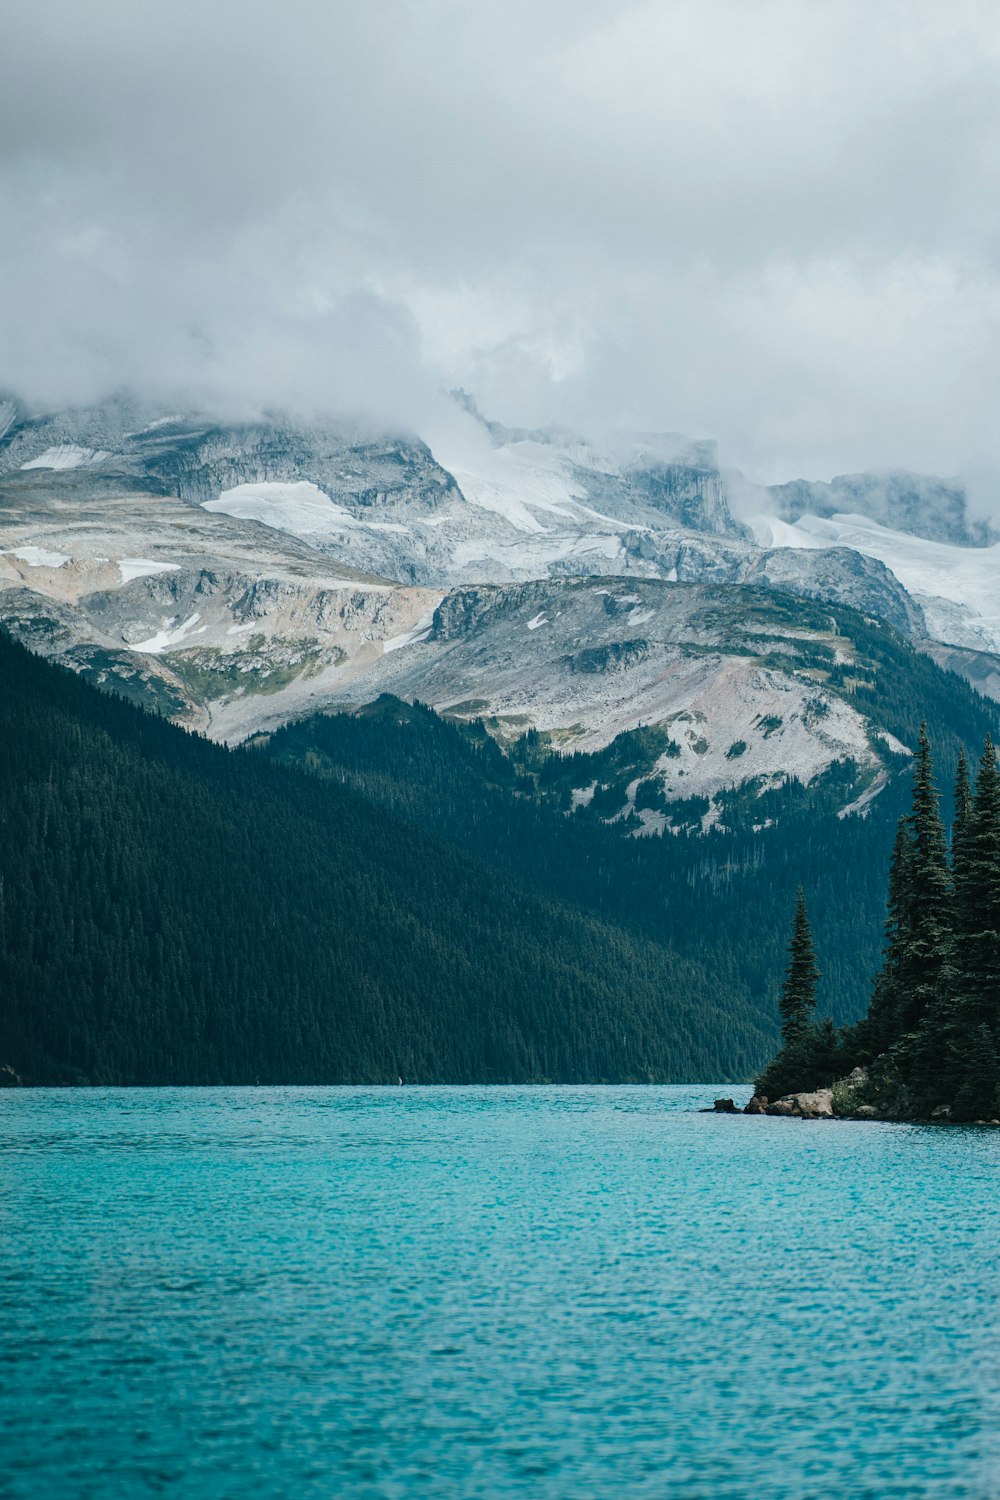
[(821, 1104)]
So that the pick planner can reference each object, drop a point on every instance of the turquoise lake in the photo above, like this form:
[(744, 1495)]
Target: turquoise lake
[(551, 1292)]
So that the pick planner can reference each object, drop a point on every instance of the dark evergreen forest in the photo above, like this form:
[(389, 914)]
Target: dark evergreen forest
[(720, 900), (174, 912), (929, 1044), (386, 894)]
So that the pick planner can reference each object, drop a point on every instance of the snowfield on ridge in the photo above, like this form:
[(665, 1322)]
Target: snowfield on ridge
[(958, 588)]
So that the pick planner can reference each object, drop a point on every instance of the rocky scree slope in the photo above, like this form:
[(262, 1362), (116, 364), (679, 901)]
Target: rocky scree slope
[(237, 576)]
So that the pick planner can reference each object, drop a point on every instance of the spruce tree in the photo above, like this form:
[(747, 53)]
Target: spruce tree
[(881, 1026), (805, 1058), (963, 899), (797, 1004), (927, 915), (978, 901), (938, 1057)]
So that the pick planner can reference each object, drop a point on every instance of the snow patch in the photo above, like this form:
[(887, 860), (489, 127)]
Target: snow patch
[(515, 480), (167, 635), (143, 567), (861, 805), (957, 587), (67, 456), (539, 620), (419, 632), (39, 557), (301, 508), (891, 743), (154, 426)]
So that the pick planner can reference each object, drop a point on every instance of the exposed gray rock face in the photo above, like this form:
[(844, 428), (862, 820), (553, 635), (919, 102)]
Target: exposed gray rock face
[(839, 575), (814, 1106), (919, 503), (243, 574), (96, 431), (545, 505), (196, 458), (980, 668), (235, 627), (687, 495)]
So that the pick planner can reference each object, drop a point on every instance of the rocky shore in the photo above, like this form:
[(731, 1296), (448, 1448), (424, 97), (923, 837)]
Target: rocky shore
[(863, 1095)]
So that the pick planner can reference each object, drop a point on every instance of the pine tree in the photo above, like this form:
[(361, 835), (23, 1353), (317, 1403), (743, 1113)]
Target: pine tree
[(961, 870), (881, 1026), (938, 1057), (797, 1004), (927, 914), (937, 1000), (978, 900), (804, 1060)]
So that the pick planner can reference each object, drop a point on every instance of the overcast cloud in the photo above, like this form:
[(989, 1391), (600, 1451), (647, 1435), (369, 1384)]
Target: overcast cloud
[(774, 222)]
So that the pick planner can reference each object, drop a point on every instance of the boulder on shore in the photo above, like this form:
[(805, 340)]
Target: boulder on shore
[(757, 1105), (814, 1106), (725, 1107)]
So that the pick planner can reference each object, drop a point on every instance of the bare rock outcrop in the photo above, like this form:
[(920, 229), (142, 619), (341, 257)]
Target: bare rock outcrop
[(812, 1106)]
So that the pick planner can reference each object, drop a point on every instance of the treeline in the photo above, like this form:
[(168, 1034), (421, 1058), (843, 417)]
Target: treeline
[(930, 1037), (175, 912), (720, 900), (388, 894)]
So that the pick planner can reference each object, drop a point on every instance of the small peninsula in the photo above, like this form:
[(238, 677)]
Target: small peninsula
[(927, 1048)]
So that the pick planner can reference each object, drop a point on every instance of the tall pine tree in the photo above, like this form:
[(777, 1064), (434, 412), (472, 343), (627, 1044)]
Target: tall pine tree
[(978, 895), (880, 1027), (934, 1018), (808, 1052), (977, 946), (797, 1003), (927, 902)]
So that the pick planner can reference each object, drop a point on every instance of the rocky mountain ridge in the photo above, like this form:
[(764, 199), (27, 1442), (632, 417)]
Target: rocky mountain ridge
[(920, 504), (238, 575)]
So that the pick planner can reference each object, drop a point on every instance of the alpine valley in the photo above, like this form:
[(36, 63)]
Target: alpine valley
[(614, 694)]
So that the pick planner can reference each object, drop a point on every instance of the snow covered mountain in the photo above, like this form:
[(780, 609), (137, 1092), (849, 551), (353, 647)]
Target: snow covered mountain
[(956, 587), (238, 575), (485, 505), (920, 504)]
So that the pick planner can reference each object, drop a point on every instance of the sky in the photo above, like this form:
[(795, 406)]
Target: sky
[(775, 223)]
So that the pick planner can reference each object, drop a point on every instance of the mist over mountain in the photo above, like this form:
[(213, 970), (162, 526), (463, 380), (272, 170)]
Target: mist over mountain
[(773, 226), (551, 371)]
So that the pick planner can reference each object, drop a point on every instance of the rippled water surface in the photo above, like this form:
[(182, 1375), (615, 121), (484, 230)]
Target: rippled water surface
[(566, 1292)]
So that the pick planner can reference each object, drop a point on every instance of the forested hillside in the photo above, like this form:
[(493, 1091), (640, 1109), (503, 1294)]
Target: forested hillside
[(928, 1046), (427, 906), (720, 899), (173, 912)]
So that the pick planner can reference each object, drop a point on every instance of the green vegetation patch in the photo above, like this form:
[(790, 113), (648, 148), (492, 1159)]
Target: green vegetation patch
[(209, 674), (630, 755), (128, 676)]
